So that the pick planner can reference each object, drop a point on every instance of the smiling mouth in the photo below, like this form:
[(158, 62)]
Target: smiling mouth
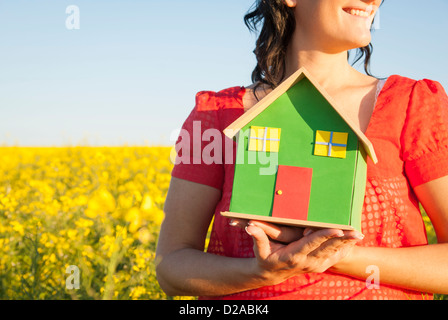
[(359, 12)]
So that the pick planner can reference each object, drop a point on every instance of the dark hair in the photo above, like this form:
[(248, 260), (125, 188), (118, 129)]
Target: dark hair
[(278, 25)]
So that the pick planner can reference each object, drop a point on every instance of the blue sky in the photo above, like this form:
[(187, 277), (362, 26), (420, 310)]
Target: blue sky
[(129, 75)]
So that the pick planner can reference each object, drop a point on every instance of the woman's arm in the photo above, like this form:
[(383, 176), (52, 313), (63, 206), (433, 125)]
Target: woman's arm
[(182, 266), (422, 268), (184, 269)]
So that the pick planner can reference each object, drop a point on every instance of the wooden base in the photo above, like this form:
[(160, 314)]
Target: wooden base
[(289, 222)]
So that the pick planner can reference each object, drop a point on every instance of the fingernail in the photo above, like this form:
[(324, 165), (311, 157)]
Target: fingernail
[(356, 236), (340, 234), (233, 223), (247, 231), (359, 236)]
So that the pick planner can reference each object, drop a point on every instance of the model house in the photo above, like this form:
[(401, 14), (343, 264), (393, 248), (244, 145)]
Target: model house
[(318, 156)]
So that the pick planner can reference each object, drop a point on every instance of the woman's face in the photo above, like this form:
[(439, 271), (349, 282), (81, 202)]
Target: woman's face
[(334, 25)]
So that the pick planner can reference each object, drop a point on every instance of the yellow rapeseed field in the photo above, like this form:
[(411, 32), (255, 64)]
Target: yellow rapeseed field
[(98, 209)]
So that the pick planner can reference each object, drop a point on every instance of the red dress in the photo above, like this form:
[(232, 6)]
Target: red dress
[(409, 131)]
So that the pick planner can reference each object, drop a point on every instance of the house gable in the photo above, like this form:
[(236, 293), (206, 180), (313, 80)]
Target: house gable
[(284, 87)]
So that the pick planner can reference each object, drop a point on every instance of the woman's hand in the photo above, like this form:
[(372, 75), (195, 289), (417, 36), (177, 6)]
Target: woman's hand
[(282, 252)]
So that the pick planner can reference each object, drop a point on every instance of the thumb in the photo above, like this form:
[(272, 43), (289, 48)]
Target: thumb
[(262, 248)]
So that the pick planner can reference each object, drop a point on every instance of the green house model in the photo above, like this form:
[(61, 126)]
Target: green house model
[(300, 161)]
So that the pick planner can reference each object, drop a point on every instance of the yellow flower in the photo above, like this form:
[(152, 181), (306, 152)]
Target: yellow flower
[(100, 204), (52, 258), (151, 212), (84, 223), (81, 200), (88, 252), (133, 216), (147, 203), (144, 235), (156, 216), (72, 234), (16, 226), (125, 201), (137, 292)]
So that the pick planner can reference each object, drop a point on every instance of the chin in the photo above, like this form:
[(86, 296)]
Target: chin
[(365, 42), (361, 42)]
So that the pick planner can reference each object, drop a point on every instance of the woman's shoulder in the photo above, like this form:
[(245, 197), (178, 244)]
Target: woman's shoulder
[(412, 92), (401, 81), (224, 98), (233, 97), (230, 92)]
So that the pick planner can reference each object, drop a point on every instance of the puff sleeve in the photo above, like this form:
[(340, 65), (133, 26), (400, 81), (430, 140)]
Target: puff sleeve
[(424, 138), (199, 144)]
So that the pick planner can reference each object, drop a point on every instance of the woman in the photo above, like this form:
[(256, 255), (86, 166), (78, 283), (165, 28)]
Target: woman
[(407, 122)]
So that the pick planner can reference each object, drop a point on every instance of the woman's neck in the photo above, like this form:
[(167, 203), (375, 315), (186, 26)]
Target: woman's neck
[(331, 70)]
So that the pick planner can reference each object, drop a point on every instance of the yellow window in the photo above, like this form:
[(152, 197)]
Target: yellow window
[(264, 139), (331, 144)]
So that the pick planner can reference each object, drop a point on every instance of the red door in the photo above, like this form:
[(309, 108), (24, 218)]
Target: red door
[(292, 192)]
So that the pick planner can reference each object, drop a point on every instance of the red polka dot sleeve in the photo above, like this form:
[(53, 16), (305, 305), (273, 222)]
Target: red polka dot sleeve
[(425, 133), (193, 162)]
